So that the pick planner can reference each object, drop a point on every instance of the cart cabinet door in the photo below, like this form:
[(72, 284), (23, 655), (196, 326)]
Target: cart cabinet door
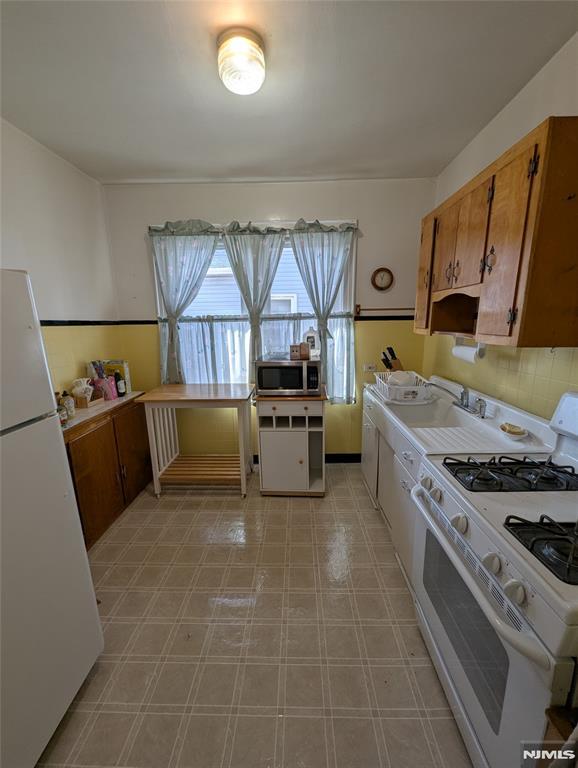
[(283, 461)]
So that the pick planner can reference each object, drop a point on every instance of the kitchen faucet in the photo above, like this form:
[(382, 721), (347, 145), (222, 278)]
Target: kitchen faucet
[(463, 402)]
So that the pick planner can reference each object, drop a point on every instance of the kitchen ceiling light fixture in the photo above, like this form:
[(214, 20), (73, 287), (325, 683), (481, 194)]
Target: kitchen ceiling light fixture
[(241, 61)]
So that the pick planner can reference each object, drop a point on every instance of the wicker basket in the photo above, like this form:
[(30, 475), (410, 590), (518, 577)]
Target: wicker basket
[(419, 391)]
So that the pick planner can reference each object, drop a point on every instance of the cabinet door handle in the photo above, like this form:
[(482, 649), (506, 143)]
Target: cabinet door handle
[(490, 259), (123, 471), (306, 408), (274, 408), (449, 273), (300, 461), (407, 456), (426, 279), (456, 270)]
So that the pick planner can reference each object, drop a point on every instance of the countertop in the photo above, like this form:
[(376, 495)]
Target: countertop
[(199, 393), (86, 414)]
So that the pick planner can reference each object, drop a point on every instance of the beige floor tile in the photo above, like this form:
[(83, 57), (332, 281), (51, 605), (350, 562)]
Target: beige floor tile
[(348, 687), (173, 683), (68, 732), (131, 682), (264, 640), (406, 743), (216, 684), (226, 640), (260, 685), (380, 642), (106, 739), (117, 635), (392, 688), (204, 742), (450, 743), (254, 743), (151, 639), (154, 742), (303, 687), (214, 603), (304, 743), (355, 743), (303, 641), (341, 642), (188, 640)]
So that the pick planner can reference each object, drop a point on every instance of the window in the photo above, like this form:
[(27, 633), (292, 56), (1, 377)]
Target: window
[(215, 332)]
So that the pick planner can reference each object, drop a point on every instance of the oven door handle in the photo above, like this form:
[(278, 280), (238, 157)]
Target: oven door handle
[(527, 646)]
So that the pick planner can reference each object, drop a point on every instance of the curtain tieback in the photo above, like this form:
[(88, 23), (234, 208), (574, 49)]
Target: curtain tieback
[(173, 322), (323, 327)]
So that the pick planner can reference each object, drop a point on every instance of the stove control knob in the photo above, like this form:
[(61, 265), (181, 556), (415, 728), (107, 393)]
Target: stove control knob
[(492, 562), (436, 494), (426, 482), (460, 523), (516, 591)]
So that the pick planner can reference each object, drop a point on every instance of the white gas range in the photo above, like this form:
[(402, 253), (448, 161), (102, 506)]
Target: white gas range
[(499, 605)]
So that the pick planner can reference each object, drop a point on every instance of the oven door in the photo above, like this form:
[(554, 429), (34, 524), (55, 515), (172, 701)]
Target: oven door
[(499, 675), (280, 378)]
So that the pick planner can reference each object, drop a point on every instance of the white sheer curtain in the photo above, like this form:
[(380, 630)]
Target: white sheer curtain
[(254, 256), (323, 254), (181, 255)]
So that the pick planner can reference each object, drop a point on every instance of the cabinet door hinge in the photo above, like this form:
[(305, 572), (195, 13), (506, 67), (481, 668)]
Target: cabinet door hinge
[(512, 316), (533, 165), (491, 190)]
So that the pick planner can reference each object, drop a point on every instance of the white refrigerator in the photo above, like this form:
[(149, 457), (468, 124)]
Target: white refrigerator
[(50, 633)]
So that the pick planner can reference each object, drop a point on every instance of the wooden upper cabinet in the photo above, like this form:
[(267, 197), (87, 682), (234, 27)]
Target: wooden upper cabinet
[(132, 442), (445, 247), (424, 273), (512, 185), (524, 238), (471, 234), (97, 480)]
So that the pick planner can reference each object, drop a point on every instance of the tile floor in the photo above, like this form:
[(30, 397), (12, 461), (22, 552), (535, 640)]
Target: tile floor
[(263, 632)]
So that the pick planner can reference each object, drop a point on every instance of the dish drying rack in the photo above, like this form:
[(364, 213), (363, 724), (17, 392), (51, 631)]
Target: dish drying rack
[(419, 392)]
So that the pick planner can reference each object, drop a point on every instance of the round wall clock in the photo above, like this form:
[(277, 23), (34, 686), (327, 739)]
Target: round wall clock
[(382, 279)]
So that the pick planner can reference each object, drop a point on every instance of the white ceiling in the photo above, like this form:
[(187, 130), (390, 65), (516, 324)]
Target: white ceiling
[(354, 89)]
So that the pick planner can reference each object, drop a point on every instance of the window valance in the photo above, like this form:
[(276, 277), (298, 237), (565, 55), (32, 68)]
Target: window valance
[(200, 227)]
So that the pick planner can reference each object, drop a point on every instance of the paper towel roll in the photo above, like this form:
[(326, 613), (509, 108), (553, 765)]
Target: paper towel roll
[(467, 352)]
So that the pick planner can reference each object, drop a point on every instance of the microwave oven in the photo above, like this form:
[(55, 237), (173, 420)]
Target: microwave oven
[(288, 377)]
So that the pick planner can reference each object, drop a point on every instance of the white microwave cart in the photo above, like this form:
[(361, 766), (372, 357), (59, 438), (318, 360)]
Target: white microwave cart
[(292, 445)]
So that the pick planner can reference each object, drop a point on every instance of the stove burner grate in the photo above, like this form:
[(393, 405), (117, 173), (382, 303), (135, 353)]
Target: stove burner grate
[(554, 544), (506, 473)]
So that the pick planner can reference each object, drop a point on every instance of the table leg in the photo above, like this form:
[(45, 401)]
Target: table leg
[(247, 409), (153, 449), (241, 428)]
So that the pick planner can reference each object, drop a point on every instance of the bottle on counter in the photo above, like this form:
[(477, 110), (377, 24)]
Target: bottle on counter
[(120, 384), (67, 401), (61, 410)]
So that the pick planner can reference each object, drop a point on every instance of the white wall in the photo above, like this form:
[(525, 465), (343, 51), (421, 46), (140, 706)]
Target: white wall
[(389, 213), (552, 91), (53, 225)]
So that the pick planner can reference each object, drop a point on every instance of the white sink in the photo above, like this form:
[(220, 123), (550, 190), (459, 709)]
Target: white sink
[(438, 413)]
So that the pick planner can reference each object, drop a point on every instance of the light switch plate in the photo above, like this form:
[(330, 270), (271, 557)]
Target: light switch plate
[(369, 367)]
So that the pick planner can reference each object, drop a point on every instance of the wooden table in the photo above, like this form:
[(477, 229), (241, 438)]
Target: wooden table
[(170, 467)]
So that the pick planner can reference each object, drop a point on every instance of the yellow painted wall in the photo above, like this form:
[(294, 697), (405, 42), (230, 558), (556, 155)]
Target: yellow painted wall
[(214, 431), (69, 347), (531, 379)]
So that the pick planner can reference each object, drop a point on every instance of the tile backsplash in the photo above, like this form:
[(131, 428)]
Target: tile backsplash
[(532, 379)]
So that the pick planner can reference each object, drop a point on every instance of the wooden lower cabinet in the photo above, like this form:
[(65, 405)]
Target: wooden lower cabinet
[(132, 443), (110, 465), (97, 480)]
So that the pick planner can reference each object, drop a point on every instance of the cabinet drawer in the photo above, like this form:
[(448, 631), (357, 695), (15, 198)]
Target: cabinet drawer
[(291, 408), (407, 454)]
